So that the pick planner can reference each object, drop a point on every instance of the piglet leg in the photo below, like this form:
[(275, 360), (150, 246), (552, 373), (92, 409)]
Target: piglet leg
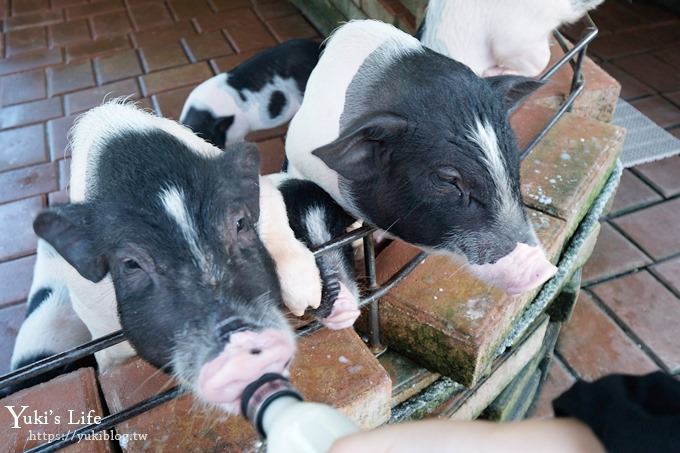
[(295, 264)]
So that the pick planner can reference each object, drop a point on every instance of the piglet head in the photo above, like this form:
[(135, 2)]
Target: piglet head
[(438, 165), (196, 291)]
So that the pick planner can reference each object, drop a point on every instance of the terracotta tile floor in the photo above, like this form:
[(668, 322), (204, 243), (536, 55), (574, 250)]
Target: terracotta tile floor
[(625, 319), (60, 57)]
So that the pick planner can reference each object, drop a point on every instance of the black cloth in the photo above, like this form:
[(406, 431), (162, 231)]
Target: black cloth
[(627, 413)]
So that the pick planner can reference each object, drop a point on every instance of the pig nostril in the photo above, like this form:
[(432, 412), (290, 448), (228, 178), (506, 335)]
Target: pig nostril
[(255, 351)]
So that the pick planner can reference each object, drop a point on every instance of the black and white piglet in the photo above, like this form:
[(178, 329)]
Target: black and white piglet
[(261, 93), (498, 37), (316, 218), (416, 144), (178, 242)]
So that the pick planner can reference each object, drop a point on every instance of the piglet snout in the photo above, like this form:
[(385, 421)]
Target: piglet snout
[(522, 270), (247, 356), (345, 310)]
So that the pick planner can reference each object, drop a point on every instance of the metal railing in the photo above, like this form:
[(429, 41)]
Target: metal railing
[(574, 56)]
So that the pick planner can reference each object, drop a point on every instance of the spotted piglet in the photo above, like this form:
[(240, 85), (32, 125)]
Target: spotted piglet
[(179, 243), (261, 93)]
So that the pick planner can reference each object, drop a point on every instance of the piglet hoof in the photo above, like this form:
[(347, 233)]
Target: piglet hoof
[(345, 311), (300, 280)]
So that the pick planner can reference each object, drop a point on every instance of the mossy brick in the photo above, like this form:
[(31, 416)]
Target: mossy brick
[(469, 404), (332, 367), (567, 169), (348, 9), (408, 378), (506, 403), (598, 98), (443, 317), (61, 401)]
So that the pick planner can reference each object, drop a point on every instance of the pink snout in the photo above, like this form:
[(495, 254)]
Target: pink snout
[(522, 270), (345, 311), (246, 357)]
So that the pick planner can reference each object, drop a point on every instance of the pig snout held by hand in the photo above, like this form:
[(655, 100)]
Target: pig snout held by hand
[(417, 145), (263, 92), (161, 239), (316, 219), (497, 37)]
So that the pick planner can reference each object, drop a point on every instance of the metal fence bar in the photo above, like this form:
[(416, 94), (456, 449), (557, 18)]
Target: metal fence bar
[(574, 56), (60, 360)]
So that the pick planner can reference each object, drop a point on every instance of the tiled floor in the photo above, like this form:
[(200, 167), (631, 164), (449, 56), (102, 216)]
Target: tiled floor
[(61, 57), (629, 309)]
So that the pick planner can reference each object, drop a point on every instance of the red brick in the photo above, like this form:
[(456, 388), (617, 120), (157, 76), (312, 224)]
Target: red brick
[(98, 46), (595, 346), (272, 153), (30, 60), (117, 66), (70, 77), (16, 224), (208, 45), (29, 6), (25, 40), (649, 310), (635, 41), (115, 23), (10, 321), (169, 103), (30, 112), (670, 56), (33, 20), (265, 134), (15, 279), (76, 391), (652, 71), (225, 19), (57, 131), (59, 197), (162, 56), (93, 8), (22, 146), (175, 78), (669, 273), (557, 382), (663, 175), (659, 110), (221, 5), (613, 255), (632, 193), (64, 173), (250, 37), (148, 15), (68, 32), (278, 8), (164, 34), (86, 99), (23, 87), (186, 9), (27, 181), (654, 229), (57, 4), (631, 87), (224, 64)]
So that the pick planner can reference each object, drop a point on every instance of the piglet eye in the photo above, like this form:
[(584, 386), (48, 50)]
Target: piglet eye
[(240, 224), (131, 264)]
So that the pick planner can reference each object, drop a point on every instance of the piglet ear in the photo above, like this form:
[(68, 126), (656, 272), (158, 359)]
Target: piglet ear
[(246, 158), (358, 154), (513, 89), (69, 230)]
